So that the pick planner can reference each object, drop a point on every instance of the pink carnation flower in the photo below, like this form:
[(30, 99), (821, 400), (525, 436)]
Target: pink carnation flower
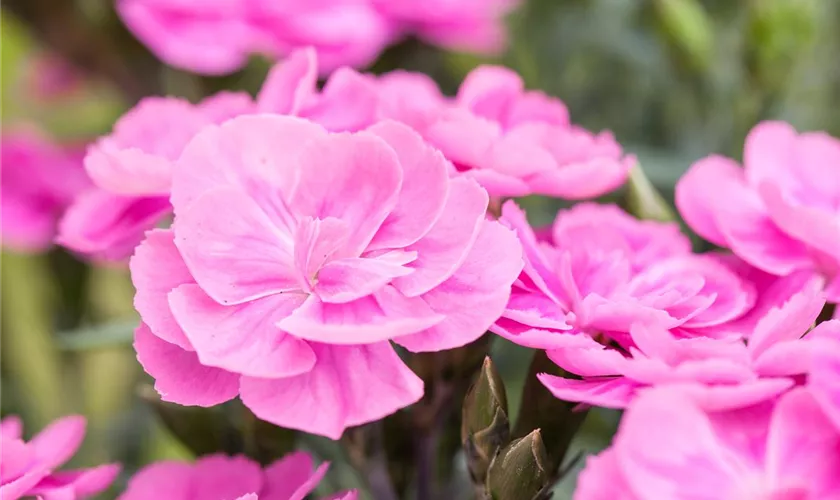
[(598, 270), (39, 181), (218, 476), (824, 371), (471, 25), (512, 141), (297, 254), (28, 468), (668, 447), (726, 373), (779, 212), (132, 167), (217, 36)]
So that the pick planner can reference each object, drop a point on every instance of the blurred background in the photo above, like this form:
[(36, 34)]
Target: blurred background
[(674, 80)]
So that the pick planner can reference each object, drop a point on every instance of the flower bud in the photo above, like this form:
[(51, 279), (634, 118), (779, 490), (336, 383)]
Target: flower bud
[(485, 426), (520, 471)]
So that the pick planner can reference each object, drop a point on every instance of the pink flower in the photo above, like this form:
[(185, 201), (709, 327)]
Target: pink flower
[(471, 25), (824, 373), (28, 468), (512, 141), (132, 167), (727, 372), (39, 180), (780, 212), (217, 36), (218, 476), (602, 270), (297, 254), (669, 446)]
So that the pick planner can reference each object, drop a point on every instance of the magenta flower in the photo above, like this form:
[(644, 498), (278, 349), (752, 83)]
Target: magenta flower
[(512, 141), (216, 37), (669, 446), (40, 179), (218, 476), (326, 247), (726, 372), (471, 25), (132, 167), (779, 212), (28, 468)]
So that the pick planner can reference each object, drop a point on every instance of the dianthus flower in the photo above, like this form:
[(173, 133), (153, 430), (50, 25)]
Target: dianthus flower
[(40, 180), (671, 446), (29, 468), (778, 213), (218, 476), (296, 254)]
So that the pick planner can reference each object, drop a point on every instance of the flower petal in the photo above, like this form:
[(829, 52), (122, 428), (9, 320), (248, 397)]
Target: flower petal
[(167, 479), (350, 385), (242, 338), (443, 249), (423, 192), (608, 392), (383, 315), (220, 476), (475, 296), (355, 178), (236, 254), (290, 83), (699, 188), (156, 269), (179, 376)]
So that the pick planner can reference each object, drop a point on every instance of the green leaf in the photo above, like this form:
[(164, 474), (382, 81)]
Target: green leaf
[(643, 199), (101, 336)]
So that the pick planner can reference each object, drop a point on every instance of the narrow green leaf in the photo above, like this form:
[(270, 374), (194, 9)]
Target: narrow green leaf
[(115, 333)]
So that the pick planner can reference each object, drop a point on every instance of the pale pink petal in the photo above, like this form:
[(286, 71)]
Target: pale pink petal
[(57, 442), (475, 296), (667, 448), (382, 315), (242, 338), (224, 105), (346, 280), (753, 236), (790, 320), (82, 483), (489, 90), (608, 392), (817, 228), (582, 180), (534, 338), (22, 485), (768, 152), (128, 171), (697, 194), (587, 358), (350, 385), (602, 479), (156, 269), (354, 178), (11, 427), (108, 225), (236, 254), (257, 154), (219, 476), (348, 102), (292, 477), (179, 376), (803, 445), (171, 480), (423, 192), (497, 184), (824, 377), (290, 84), (534, 309), (316, 241), (443, 249), (464, 138), (735, 396)]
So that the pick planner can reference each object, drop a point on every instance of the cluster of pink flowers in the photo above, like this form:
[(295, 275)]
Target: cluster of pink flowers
[(213, 477), (509, 140), (28, 468), (217, 36)]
